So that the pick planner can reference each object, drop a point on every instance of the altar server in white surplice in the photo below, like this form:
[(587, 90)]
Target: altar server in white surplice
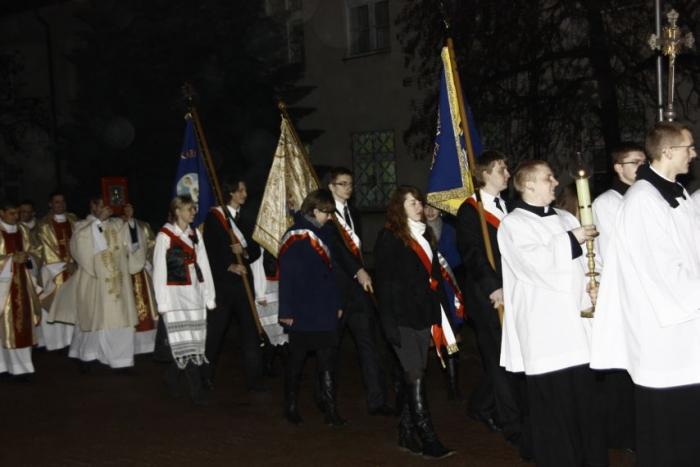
[(619, 391), (648, 314), (544, 290), (100, 291)]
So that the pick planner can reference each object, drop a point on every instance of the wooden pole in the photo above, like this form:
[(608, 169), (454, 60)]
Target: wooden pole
[(472, 163), (283, 109), (206, 156)]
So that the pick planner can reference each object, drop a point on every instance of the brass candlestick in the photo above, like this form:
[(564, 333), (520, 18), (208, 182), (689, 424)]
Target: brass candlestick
[(585, 210)]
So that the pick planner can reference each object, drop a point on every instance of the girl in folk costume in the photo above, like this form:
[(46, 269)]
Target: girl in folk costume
[(19, 304), (184, 291), (309, 304), (411, 301)]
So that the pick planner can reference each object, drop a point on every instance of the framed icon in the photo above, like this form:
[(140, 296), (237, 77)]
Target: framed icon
[(115, 193)]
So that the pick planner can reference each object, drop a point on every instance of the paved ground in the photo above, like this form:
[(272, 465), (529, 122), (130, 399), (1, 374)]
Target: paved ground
[(106, 418)]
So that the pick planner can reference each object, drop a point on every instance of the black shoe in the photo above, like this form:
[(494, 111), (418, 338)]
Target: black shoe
[(85, 367), (487, 420), (420, 416), (382, 411), (330, 412)]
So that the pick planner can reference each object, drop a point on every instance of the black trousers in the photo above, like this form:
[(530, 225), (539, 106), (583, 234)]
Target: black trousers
[(365, 332), (232, 303), (568, 422), (619, 407), (413, 353), (496, 395), (325, 359), (666, 422)]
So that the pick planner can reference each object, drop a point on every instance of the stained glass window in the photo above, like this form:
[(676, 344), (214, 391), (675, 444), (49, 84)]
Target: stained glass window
[(375, 168)]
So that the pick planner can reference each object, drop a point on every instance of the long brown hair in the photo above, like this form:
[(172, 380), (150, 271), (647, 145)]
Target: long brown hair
[(396, 219)]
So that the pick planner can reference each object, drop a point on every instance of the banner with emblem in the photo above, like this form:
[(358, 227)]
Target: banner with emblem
[(290, 179), (449, 182), (192, 178)]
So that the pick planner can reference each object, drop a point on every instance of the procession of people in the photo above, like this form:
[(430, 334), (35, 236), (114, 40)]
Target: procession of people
[(560, 386)]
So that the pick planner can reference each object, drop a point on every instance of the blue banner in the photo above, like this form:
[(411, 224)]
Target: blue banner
[(449, 182), (192, 177)]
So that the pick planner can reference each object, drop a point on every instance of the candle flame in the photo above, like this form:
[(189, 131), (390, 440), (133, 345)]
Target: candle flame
[(581, 173)]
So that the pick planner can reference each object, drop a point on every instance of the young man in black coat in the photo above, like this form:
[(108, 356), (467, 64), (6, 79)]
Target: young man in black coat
[(495, 400), (355, 285), (231, 299)]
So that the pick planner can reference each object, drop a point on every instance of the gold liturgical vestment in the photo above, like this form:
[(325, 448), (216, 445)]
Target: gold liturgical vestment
[(54, 241), (20, 304)]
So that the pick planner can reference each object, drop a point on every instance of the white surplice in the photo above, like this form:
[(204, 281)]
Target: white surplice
[(544, 291), (648, 311)]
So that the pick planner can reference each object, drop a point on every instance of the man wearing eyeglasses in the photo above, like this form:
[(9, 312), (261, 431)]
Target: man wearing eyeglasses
[(626, 159), (355, 288), (618, 388), (647, 318)]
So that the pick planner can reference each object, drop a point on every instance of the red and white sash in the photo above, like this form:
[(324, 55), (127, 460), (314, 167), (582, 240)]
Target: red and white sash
[(490, 218), (448, 275), (317, 244), (350, 238), (229, 225), (443, 336)]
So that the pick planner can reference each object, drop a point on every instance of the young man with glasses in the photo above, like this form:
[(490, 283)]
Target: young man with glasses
[(355, 288), (647, 318), (627, 158)]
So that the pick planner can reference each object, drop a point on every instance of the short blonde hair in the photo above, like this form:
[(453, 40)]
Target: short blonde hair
[(663, 135), (525, 171)]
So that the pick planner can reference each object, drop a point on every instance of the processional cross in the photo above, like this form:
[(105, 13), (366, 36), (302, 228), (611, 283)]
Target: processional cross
[(670, 43)]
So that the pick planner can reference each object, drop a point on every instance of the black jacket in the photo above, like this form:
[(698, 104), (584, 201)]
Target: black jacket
[(480, 277), (218, 244), (345, 267), (403, 287)]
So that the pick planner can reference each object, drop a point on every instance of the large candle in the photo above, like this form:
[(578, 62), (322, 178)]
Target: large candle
[(584, 198)]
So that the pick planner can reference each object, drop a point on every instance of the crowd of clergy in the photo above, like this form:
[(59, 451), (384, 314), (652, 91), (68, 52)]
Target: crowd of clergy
[(561, 386)]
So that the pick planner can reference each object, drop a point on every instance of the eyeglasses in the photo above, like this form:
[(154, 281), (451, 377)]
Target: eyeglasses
[(343, 184), (690, 148), (635, 163)]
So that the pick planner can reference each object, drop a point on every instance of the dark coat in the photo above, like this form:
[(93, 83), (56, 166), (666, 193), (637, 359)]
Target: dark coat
[(308, 291), (480, 277), (403, 287), (218, 244), (345, 267)]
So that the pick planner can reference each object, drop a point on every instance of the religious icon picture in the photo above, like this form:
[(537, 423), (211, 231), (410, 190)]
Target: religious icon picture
[(115, 193)]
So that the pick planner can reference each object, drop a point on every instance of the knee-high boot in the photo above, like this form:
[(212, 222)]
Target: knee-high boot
[(291, 393), (172, 380), (432, 447), (407, 432), (452, 372), (194, 379), (328, 396)]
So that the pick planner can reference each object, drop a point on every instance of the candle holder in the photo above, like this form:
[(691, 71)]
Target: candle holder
[(585, 208)]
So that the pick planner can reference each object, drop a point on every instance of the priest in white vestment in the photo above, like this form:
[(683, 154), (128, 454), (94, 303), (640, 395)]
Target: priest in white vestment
[(100, 291), (648, 313), (544, 335)]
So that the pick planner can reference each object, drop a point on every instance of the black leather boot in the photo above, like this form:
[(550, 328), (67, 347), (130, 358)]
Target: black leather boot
[(452, 372), (407, 438), (432, 447), (291, 396), (172, 380), (330, 411), (194, 379)]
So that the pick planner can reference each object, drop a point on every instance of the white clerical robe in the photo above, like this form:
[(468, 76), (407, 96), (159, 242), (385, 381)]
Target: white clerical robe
[(648, 311), (605, 209), (544, 292), (101, 293)]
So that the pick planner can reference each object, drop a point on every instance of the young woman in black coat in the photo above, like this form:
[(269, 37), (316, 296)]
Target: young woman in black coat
[(309, 303), (410, 293)]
